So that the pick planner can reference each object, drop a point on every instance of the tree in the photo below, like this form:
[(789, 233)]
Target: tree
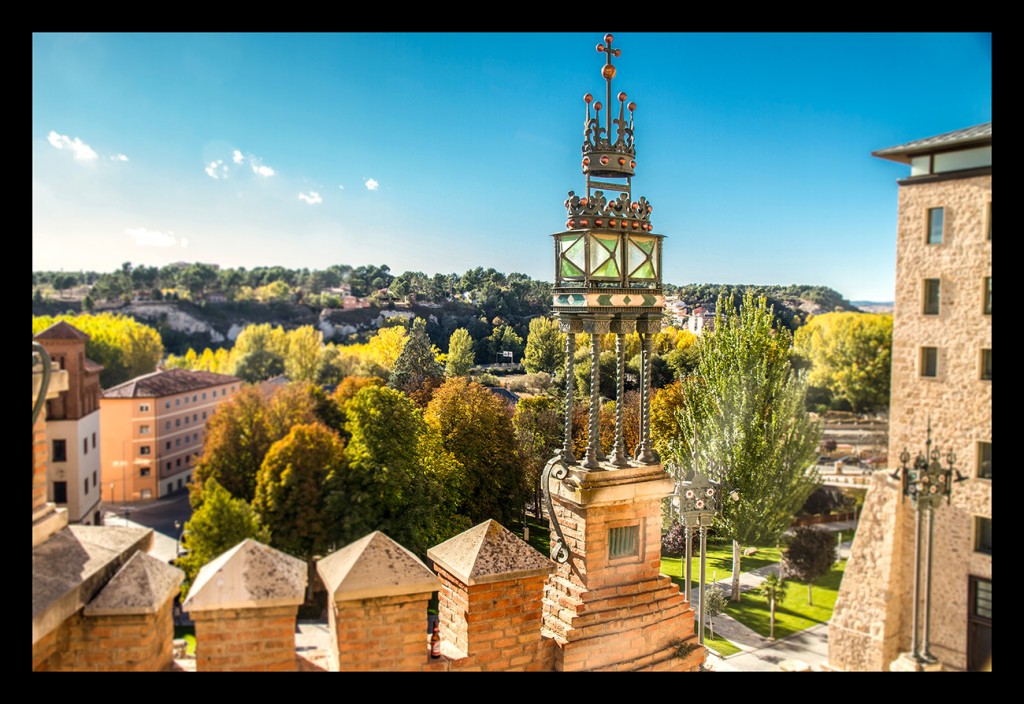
[(398, 478), (460, 353), (292, 489), (383, 350), (744, 405), (303, 360), (850, 355), (714, 605), (538, 426), (417, 362), (476, 427), (809, 554), (258, 365), (665, 405), (545, 346), (773, 588), (221, 523)]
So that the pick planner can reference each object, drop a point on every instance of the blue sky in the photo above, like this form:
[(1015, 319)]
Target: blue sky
[(442, 152)]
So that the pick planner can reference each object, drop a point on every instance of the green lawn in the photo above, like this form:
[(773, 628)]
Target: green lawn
[(719, 645), (718, 564), (792, 614)]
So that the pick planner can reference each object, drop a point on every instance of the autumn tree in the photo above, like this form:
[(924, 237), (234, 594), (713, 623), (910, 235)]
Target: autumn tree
[(293, 485), (460, 358), (809, 554), (382, 351), (539, 431), (850, 355), (303, 358), (221, 523), (744, 405), (545, 346), (417, 364), (476, 427)]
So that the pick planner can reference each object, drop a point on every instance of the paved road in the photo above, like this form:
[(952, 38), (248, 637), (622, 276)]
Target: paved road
[(159, 515)]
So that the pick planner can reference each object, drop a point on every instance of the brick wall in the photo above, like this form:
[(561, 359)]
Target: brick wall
[(245, 640), (382, 634), (40, 456)]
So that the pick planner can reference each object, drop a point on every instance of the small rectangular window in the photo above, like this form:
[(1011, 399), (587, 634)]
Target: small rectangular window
[(177, 402), (94, 478), (984, 460), (983, 535), (195, 417), (929, 361), (144, 449), (60, 492), (143, 471), (986, 364), (204, 395), (177, 442), (931, 296), (94, 441), (143, 407), (168, 467), (85, 486), (168, 445), (624, 542), (167, 425), (177, 422), (186, 400), (988, 296), (204, 415), (177, 462), (60, 451), (167, 404), (936, 219), (143, 430), (194, 397), (85, 446)]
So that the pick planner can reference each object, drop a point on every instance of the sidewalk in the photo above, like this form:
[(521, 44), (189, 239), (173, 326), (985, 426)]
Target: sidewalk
[(809, 646)]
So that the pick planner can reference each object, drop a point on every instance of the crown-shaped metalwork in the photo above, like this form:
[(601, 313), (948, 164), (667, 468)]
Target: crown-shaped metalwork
[(602, 156), (926, 482)]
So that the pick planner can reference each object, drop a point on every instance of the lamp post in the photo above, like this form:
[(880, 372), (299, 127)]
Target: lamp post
[(177, 539), (925, 483), (700, 500)]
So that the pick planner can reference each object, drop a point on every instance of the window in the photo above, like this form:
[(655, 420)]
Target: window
[(94, 478), (186, 400), (987, 296), (979, 625), (170, 487), (143, 430), (94, 441), (144, 449), (143, 408), (929, 361), (177, 422), (143, 471), (168, 445), (984, 460), (204, 395), (60, 492), (195, 437), (177, 462), (167, 404), (179, 483), (931, 296), (85, 446), (60, 451), (186, 420), (188, 478), (986, 364), (195, 417), (168, 467), (194, 397), (85, 485), (936, 218), (204, 415), (177, 402), (167, 425), (624, 542), (983, 535), (177, 442)]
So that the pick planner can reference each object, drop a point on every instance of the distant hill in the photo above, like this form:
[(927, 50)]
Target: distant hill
[(875, 306), (792, 303)]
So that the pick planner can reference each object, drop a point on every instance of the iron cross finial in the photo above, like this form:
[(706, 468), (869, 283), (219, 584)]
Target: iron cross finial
[(608, 72)]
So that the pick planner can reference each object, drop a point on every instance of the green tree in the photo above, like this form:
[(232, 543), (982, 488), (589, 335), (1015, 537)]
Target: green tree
[(398, 478), (744, 405), (259, 365), (221, 523), (714, 605), (417, 362), (545, 346), (460, 353), (774, 589), (303, 360), (293, 485), (850, 355), (809, 554), (476, 427), (539, 432)]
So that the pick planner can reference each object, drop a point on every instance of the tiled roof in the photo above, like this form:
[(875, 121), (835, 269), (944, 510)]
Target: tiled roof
[(902, 152), (167, 383), (61, 330)]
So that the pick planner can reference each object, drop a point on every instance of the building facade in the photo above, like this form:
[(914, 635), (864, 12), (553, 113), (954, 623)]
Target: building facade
[(942, 390), (153, 430), (73, 427)]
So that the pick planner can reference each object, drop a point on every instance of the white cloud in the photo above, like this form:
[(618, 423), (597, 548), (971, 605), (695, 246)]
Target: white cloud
[(371, 184), (258, 168), (119, 157), (153, 238), (82, 150), (236, 156), (312, 197), (216, 169), (341, 187)]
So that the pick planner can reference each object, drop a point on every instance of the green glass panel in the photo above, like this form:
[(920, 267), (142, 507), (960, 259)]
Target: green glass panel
[(576, 253), (570, 269), (644, 272), (609, 268), (636, 256), (646, 244), (608, 242)]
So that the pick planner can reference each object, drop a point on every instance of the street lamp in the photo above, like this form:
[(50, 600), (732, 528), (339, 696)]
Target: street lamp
[(699, 500), (177, 539), (925, 483)]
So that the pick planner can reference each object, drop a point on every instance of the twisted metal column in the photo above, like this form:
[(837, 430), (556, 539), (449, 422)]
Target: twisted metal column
[(643, 450), (925, 650), (688, 536), (594, 432), (619, 448), (914, 648), (703, 551), (570, 382)]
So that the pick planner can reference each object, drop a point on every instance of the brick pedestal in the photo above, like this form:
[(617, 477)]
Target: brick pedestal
[(246, 640)]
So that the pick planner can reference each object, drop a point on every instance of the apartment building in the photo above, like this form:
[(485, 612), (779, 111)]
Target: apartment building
[(153, 429)]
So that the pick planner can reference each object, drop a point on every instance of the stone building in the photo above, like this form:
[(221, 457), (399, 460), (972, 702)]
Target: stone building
[(154, 427), (73, 427), (942, 391)]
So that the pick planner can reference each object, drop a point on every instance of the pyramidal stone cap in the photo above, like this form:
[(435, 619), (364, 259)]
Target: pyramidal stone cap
[(141, 586), (489, 552), (374, 566), (249, 575)]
